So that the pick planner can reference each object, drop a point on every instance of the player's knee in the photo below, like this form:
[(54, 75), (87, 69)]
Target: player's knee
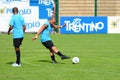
[(17, 48)]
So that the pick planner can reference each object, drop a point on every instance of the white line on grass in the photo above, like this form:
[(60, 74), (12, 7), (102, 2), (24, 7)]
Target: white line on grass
[(34, 50)]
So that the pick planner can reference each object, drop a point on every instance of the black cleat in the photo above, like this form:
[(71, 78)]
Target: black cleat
[(65, 57), (54, 61)]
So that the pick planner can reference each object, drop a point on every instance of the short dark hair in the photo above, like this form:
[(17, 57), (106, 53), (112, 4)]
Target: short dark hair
[(14, 9)]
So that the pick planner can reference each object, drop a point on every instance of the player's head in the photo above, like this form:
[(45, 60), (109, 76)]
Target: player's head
[(15, 10), (53, 20)]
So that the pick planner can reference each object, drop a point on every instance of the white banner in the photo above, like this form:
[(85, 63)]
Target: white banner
[(114, 24), (30, 14)]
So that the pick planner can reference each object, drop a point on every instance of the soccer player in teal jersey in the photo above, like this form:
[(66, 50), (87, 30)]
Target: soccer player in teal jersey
[(17, 23), (46, 40)]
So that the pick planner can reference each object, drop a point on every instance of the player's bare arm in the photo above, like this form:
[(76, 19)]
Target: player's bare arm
[(10, 28), (57, 26), (54, 10), (24, 28), (39, 31)]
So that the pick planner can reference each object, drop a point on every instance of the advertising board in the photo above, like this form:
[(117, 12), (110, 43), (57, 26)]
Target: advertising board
[(35, 13), (83, 25)]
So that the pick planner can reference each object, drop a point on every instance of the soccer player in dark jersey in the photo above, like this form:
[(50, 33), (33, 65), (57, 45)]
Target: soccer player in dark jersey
[(44, 33), (17, 23)]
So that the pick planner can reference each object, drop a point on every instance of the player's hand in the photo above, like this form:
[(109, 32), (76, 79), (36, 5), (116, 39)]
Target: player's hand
[(8, 33), (34, 38), (64, 25)]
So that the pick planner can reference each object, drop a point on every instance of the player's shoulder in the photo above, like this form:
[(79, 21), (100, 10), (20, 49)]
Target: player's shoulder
[(20, 16), (12, 17), (46, 22)]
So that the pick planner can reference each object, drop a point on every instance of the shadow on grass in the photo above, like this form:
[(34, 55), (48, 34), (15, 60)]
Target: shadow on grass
[(48, 61), (9, 62), (45, 61)]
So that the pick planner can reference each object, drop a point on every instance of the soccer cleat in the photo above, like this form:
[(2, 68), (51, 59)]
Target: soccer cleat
[(16, 65), (65, 57), (54, 61)]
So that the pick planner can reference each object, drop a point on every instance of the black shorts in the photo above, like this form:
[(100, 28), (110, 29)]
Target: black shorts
[(48, 44), (17, 42)]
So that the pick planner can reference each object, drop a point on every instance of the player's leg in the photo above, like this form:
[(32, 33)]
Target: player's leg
[(48, 45), (54, 48), (17, 50), (17, 42), (52, 56)]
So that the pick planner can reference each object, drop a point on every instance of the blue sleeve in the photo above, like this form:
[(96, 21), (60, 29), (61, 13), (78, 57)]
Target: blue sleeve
[(23, 21), (11, 21), (47, 22)]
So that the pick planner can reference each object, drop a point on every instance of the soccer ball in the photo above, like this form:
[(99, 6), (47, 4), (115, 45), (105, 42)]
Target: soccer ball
[(75, 60)]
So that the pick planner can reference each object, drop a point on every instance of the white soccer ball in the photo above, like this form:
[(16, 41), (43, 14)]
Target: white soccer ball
[(75, 60)]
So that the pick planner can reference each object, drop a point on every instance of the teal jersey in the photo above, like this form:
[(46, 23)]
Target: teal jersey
[(45, 35), (17, 22)]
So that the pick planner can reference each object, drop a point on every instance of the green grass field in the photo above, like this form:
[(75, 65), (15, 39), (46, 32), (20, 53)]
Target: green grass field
[(99, 58)]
